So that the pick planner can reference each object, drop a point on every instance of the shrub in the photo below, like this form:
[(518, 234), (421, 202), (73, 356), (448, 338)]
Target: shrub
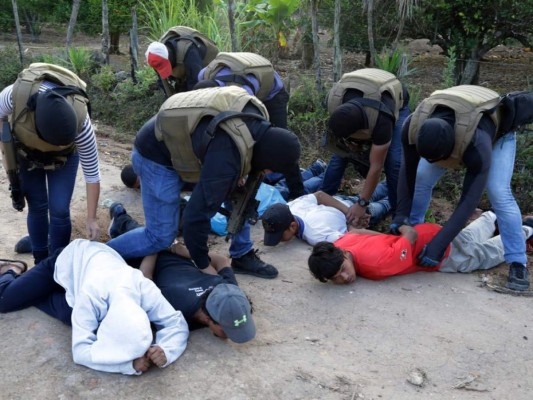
[(9, 65), (308, 118)]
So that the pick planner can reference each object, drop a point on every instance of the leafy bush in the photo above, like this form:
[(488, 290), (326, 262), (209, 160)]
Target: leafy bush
[(125, 105), (9, 65), (308, 118)]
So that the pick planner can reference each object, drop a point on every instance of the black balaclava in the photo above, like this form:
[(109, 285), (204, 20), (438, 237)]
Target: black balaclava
[(436, 139), (55, 119), (277, 150), (347, 119)]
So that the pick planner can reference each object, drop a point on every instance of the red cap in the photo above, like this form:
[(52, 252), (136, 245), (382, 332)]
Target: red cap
[(157, 58)]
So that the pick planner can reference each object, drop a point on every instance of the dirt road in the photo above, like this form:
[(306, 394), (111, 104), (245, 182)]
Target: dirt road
[(314, 340)]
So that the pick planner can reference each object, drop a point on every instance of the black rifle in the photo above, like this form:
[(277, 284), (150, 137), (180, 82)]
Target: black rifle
[(12, 170), (243, 203)]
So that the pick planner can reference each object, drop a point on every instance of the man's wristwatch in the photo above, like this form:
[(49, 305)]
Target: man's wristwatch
[(362, 202)]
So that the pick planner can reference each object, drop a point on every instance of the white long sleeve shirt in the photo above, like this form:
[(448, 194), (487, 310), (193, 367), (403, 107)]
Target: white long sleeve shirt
[(112, 307)]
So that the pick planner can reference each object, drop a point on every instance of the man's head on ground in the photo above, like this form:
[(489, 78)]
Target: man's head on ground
[(347, 119), (157, 58), (129, 177), (329, 263), (227, 312), (436, 139), (277, 150), (279, 224)]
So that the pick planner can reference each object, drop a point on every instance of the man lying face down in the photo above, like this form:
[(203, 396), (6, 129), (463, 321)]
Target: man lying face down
[(215, 301), (110, 306), (376, 256)]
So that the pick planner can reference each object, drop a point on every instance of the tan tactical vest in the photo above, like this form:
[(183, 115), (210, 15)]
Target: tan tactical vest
[(185, 32), (23, 121), (373, 83), (243, 64), (468, 102), (180, 114)]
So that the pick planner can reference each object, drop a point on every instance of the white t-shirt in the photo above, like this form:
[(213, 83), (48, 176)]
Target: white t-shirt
[(320, 222)]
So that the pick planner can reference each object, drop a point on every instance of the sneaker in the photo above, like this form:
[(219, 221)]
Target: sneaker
[(251, 264), (518, 277), (23, 245), (115, 210), (528, 221)]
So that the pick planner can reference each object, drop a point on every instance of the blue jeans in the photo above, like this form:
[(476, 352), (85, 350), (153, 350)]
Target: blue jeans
[(36, 287), (48, 194), (379, 206), (312, 178), (498, 189), (160, 192), (337, 165)]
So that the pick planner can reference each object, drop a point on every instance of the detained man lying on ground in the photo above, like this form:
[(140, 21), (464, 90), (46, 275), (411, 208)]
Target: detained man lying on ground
[(110, 306), (316, 217), (208, 300), (376, 256)]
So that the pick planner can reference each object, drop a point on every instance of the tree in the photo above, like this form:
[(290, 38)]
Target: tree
[(474, 27), (72, 22)]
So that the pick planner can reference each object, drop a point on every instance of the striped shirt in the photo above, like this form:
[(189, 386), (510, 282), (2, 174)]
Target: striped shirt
[(85, 140)]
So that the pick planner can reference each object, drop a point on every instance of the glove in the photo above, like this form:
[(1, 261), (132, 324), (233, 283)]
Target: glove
[(425, 261), (394, 228)]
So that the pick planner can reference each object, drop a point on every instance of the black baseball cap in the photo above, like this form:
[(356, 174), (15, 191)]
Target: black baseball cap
[(276, 219)]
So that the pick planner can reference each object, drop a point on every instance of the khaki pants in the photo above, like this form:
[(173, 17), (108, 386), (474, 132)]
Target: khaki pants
[(475, 247)]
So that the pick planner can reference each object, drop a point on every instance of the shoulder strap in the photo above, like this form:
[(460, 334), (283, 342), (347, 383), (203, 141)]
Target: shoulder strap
[(232, 78), (375, 104), (218, 119)]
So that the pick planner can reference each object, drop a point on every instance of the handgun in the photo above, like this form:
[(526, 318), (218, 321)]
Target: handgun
[(12, 169)]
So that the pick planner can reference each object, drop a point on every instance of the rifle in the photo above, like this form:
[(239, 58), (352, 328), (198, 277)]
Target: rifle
[(243, 202), (17, 198)]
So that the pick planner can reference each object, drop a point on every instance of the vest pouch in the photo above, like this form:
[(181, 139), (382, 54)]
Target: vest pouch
[(516, 111)]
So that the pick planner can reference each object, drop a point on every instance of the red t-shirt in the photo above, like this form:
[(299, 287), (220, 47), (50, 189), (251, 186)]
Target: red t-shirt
[(380, 256)]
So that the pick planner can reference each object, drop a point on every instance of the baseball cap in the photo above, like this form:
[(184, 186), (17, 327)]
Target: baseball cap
[(157, 58), (228, 305), (276, 219), (436, 139), (55, 119)]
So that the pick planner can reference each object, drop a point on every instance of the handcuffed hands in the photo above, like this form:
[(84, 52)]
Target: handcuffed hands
[(426, 261), (357, 217)]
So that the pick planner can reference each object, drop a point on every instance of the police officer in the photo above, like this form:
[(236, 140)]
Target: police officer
[(459, 128), (189, 140)]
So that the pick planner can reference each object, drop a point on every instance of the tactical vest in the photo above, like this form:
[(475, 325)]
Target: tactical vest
[(243, 64), (29, 144), (373, 83), (185, 37), (180, 114), (469, 103)]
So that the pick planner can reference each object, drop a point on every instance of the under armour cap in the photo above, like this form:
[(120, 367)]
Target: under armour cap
[(276, 219), (347, 119), (229, 307), (157, 58), (55, 119), (277, 150), (435, 140)]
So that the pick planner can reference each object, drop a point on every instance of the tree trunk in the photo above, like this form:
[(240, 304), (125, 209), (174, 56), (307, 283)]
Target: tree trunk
[(105, 31), (316, 44), (468, 71), (72, 22), (337, 52), (231, 21), (370, 31), (19, 32), (134, 45), (114, 46)]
